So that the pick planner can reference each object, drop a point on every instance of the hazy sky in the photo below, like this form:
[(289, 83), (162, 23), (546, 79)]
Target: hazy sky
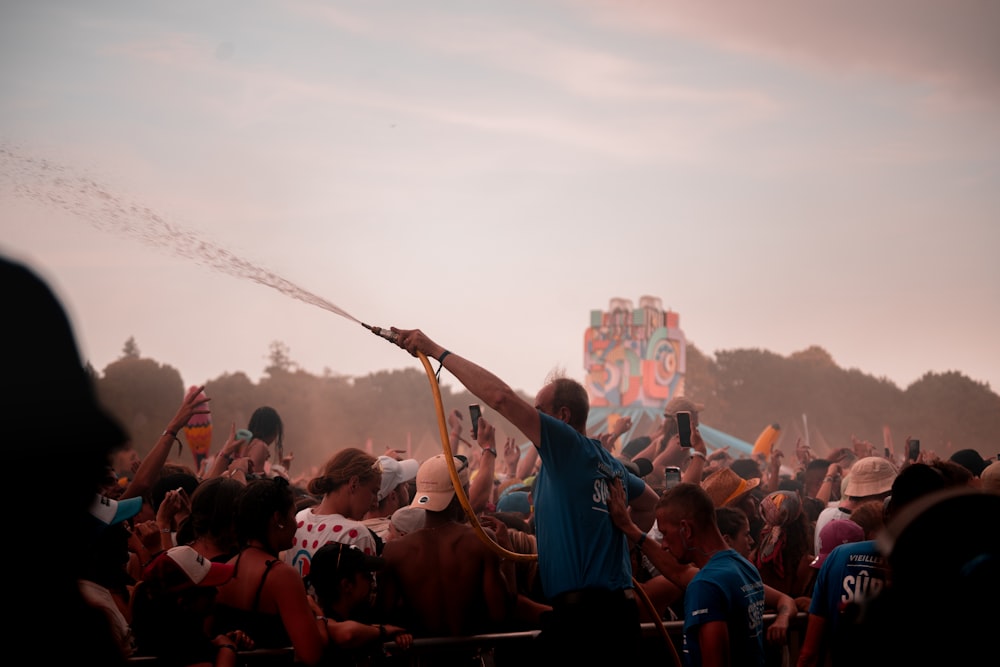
[(782, 174)]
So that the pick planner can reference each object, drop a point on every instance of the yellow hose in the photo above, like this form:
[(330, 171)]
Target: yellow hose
[(648, 604), (456, 480), (474, 520)]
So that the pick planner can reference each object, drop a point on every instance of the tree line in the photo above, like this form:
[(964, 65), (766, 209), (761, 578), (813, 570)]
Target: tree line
[(743, 390)]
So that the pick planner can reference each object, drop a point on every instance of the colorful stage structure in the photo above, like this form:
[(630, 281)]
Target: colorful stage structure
[(635, 361)]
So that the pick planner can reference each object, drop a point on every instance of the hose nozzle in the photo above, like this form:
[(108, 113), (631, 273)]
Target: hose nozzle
[(390, 336)]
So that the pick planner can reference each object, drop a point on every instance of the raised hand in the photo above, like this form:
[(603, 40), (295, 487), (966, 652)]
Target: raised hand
[(511, 454)]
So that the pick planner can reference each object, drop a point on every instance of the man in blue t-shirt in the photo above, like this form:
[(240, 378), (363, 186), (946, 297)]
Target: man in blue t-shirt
[(583, 559), (724, 601), (851, 574)]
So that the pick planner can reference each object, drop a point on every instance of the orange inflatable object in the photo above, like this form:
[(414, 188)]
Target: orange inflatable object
[(766, 439), (198, 433)]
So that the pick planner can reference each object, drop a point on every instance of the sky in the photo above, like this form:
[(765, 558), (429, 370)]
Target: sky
[(781, 174)]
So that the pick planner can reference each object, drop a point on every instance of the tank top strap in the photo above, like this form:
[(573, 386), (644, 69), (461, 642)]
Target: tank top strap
[(260, 587)]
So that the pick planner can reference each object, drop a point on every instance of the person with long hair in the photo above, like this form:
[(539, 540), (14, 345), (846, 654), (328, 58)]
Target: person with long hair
[(266, 597), (210, 528), (348, 485), (266, 429)]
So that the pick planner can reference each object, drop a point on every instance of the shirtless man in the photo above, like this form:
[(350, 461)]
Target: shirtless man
[(442, 580)]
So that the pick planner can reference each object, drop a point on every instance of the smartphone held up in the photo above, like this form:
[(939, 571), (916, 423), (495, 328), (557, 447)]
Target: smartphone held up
[(475, 412), (684, 427)]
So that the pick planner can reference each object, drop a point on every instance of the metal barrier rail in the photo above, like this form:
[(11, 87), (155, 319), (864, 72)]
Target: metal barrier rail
[(486, 643)]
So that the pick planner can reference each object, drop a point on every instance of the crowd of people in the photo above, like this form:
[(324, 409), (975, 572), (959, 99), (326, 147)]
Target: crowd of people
[(576, 536)]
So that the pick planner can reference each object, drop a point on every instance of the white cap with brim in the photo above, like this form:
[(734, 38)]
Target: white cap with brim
[(395, 473), (110, 512)]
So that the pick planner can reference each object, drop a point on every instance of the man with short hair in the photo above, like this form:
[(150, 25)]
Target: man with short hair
[(724, 601), (442, 580), (397, 473), (583, 559)]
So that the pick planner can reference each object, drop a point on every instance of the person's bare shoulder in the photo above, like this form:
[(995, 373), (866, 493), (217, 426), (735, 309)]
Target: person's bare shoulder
[(283, 574)]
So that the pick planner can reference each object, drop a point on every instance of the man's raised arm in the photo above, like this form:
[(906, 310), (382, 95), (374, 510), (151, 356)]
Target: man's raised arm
[(483, 384)]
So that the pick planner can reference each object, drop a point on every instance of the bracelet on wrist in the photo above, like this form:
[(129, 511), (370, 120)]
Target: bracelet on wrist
[(695, 454), (829, 479), (490, 450), (152, 557), (642, 538)]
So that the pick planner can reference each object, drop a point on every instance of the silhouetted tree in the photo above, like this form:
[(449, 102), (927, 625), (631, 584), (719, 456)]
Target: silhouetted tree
[(143, 395), (131, 349), (744, 390), (279, 359)]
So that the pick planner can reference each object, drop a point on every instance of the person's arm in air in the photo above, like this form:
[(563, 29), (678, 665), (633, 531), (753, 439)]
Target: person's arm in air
[(511, 457), (149, 470), (526, 466), (480, 382), (226, 455), (481, 487), (696, 464), (672, 455), (825, 490)]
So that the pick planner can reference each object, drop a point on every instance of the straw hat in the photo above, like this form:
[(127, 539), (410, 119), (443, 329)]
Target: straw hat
[(870, 476), (991, 477), (682, 403), (725, 487)]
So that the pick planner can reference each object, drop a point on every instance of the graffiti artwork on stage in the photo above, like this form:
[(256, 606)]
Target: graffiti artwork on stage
[(634, 356)]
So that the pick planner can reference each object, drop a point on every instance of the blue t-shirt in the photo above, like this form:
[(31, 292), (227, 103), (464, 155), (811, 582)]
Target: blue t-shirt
[(578, 544), (852, 573), (728, 588)]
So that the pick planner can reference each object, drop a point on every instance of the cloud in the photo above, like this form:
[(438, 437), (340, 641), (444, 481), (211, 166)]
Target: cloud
[(952, 47)]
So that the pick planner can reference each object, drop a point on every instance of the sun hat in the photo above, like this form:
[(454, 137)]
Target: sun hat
[(434, 487), (991, 477), (395, 473), (725, 487), (833, 535), (408, 519), (682, 404), (870, 476), (181, 568)]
